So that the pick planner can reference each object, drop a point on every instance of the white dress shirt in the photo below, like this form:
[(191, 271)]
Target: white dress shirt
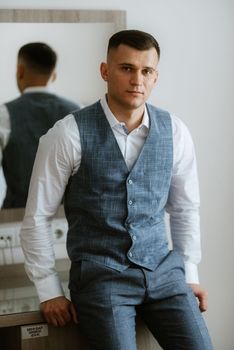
[(58, 157), (5, 129)]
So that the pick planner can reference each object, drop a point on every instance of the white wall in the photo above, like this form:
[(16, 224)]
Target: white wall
[(196, 73)]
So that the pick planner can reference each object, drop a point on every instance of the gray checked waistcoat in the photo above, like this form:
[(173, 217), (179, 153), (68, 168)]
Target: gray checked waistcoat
[(31, 115), (116, 216)]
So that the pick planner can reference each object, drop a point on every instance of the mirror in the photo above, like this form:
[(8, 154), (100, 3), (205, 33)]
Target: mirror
[(78, 36)]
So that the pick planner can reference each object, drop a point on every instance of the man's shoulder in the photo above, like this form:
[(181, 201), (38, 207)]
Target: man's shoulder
[(72, 105), (156, 111), (13, 101), (179, 127)]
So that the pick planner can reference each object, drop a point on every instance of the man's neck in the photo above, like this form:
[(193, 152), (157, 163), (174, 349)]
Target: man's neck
[(131, 117)]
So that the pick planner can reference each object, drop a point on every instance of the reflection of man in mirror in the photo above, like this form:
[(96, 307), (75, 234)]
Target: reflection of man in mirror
[(24, 120), (121, 163)]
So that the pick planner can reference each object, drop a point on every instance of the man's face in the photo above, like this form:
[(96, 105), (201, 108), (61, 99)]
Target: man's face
[(130, 75)]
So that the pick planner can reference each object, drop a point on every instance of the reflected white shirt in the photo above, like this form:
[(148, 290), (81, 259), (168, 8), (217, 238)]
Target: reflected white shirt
[(58, 157)]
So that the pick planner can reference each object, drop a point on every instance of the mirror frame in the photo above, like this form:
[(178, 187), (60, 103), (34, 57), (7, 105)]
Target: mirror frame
[(116, 17)]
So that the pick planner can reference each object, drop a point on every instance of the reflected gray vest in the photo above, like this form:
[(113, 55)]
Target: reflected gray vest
[(116, 216), (31, 115)]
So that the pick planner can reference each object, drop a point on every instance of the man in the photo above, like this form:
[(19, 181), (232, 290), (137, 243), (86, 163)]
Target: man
[(120, 162), (25, 119)]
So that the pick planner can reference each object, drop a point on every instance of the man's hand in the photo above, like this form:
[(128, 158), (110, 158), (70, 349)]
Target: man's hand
[(201, 295), (59, 311)]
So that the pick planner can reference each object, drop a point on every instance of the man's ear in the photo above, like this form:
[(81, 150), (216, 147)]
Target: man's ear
[(104, 71), (53, 77), (156, 77), (20, 71)]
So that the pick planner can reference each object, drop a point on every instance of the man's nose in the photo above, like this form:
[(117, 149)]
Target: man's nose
[(136, 77)]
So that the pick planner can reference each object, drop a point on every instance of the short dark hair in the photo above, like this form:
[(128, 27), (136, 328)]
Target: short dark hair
[(39, 57), (134, 38)]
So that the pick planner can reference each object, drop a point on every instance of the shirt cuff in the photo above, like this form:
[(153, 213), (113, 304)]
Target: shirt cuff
[(48, 288), (191, 273)]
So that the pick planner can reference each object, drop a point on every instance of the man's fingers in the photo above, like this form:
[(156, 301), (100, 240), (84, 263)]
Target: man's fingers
[(50, 319), (202, 296), (57, 311), (73, 313), (60, 318), (203, 301)]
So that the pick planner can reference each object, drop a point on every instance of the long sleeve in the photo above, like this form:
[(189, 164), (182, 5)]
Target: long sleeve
[(183, 202), (53, 166), (5, 130)]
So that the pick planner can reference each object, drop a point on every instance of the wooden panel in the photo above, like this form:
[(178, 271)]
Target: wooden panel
[(10, 338), (79, 16), (59, 339), (22, 318), (36, 344)]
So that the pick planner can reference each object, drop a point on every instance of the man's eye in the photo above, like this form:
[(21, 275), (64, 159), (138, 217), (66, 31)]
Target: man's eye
[(126, 69), (147, 71)]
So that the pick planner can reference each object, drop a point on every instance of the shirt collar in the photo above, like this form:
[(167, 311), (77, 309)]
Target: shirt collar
[(112, 119), (45, 89)]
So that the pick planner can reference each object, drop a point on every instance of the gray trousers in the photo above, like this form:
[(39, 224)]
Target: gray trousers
[(107, 302)]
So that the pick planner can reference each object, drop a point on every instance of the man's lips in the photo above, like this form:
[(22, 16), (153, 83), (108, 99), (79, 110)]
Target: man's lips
[(135, 92)]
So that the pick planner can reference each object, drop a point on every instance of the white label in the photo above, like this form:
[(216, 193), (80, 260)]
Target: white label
[(34, 331)]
